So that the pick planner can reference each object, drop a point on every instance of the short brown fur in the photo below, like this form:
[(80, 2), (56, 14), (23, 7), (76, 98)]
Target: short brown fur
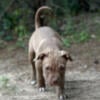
[(47, 56)]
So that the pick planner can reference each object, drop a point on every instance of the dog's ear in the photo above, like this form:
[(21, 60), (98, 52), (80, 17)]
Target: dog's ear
[(41, 56), (66, 55)]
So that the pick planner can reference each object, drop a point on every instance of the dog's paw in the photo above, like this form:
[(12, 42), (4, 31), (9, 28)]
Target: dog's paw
[(33, 82), (41, 89), (62, 97)]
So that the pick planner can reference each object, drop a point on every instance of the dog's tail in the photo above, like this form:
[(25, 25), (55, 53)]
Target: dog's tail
[(37, 15)]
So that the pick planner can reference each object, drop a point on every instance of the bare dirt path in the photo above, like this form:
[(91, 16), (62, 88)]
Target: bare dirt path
[(82, 76)]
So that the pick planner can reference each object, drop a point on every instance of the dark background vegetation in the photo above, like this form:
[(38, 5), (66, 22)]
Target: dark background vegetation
[(17, 19)]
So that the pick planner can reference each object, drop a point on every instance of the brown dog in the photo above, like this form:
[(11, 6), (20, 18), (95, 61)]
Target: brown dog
[(47, 56)]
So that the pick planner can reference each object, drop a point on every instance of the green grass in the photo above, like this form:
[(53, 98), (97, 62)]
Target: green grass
[(3, 81), (6, 86)]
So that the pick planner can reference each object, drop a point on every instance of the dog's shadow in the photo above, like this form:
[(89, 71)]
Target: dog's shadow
[(80, 90)]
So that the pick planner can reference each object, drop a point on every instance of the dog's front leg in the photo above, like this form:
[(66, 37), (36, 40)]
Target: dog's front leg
[(31, 55), (40, 78), (60, 91)]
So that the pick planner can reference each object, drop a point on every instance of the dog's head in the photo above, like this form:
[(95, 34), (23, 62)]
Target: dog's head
[(54, 65)]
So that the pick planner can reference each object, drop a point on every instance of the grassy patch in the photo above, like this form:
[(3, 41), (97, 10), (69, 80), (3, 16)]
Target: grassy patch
[(7, 87), (3, 81)]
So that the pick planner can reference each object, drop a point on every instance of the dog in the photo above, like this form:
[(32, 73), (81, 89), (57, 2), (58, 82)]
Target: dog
[(47, 56)]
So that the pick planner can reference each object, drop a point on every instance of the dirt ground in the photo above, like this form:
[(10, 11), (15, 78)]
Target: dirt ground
[(82, 75)]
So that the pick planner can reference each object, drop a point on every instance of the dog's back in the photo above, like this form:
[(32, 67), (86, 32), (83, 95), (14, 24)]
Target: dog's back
[(44, 34)]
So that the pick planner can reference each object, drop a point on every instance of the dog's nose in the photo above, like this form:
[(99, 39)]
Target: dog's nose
[(55, 81)]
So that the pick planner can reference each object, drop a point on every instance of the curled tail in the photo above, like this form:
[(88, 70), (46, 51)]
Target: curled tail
[(37, 15)]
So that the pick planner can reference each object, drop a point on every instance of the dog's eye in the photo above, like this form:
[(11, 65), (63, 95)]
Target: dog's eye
[(48, 68), (61, 67)]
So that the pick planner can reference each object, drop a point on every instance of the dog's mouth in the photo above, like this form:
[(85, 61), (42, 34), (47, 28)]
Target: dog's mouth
[(52, 83)]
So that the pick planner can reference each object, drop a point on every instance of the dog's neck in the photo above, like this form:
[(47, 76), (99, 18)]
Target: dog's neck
[(49, 44)]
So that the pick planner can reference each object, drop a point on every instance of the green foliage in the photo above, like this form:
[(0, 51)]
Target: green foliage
[(70, 27), (98, 36), (13, 27), (22, 34), (9, 22), (17, 22), (76, 38), (67, 42), (81, 37), (63, 6), (73, 6)]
